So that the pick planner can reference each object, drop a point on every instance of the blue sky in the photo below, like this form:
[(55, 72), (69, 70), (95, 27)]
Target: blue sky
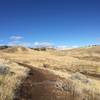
[(58, 22)]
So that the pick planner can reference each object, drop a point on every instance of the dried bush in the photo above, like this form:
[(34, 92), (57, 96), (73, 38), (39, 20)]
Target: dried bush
[(4, 70), (80, 77)]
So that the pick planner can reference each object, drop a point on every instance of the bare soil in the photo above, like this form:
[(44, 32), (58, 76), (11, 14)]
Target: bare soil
[(42, 85)]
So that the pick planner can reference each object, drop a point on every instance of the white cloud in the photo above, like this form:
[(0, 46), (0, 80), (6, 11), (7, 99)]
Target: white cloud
[(36, 43), (12, 43), (65, 47), (15, 40), (16, 37), (20, 43), (62, 47), (43, 44), (26, 44)]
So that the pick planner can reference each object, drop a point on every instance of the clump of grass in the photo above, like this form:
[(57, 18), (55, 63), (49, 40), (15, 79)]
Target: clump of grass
[(10, 78), (81, 91), (80, 77), (4, 69)]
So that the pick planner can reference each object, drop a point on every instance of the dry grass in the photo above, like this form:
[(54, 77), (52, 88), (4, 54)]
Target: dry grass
[(62, 63), (9, 82)]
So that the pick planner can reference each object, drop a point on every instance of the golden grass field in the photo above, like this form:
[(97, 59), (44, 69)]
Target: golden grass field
[(80, 66)]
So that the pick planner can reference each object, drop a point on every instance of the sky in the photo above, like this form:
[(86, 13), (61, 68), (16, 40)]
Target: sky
[(57, 22)]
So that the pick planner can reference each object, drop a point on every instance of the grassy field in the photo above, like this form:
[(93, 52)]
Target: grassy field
[(81, 67), (11, 80)]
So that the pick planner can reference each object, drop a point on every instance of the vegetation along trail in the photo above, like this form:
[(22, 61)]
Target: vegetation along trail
[(42, 85)]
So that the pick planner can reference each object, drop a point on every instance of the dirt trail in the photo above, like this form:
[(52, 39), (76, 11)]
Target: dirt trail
[(41, 84)]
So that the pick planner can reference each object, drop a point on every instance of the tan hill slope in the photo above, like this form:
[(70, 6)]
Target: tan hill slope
[(42, 84), (86, 53), (81, 77), (17, 49)]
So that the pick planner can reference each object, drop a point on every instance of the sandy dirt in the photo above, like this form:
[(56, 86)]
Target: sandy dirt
[(41, 85)]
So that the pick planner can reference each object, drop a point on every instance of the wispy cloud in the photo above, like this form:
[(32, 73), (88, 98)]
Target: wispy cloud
[(30, 44), (15, 40), (12, 43), (65, 47), (19, 43), (62, 47), (43, 44), (16, 37)]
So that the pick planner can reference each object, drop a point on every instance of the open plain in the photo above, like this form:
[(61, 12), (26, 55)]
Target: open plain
[(50, 74)]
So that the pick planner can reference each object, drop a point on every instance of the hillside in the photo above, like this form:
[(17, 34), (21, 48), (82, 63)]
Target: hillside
[(17, 49), (50, 74), (85, 53)]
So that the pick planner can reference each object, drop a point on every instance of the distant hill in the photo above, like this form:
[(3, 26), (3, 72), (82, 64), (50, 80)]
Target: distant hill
[(85, 53), (89, 49), (4, 47), (18, 49), (43, 49)]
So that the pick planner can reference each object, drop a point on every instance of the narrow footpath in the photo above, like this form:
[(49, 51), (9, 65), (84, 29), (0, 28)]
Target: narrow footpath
[(41, 84)]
